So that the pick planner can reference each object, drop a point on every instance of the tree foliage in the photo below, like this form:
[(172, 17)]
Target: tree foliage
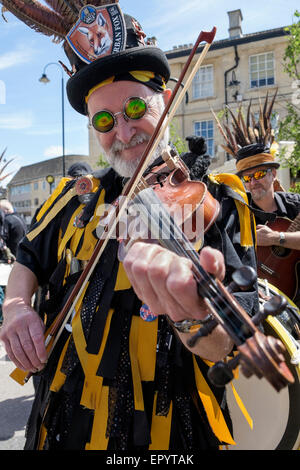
[(292, 53), (289, 128)]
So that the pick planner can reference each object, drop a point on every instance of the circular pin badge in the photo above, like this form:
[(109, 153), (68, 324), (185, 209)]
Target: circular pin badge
[(88, 14), (84, 185), (146, 314), (77, 221)]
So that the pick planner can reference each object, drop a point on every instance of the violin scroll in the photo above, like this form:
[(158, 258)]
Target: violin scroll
[(258, 355)]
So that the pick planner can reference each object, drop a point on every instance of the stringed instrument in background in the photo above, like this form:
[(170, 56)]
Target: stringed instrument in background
[(280, 265)]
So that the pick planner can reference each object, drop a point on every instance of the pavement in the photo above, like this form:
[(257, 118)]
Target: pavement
[(15, 405)]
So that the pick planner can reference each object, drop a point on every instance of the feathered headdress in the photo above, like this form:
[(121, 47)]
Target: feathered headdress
[(3, 165), (249, 139), (99, 43), (55, 20)]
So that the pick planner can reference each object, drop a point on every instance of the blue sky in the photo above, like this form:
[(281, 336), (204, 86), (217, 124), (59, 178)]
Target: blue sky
[(30, 112)]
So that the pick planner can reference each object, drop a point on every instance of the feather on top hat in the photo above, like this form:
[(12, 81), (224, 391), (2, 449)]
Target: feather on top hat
[(250, 140), (100, 42)]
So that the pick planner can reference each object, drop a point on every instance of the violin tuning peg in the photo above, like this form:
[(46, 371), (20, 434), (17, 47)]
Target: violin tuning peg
[(242, 279), (273, 307), (205, 330), (221, 373)]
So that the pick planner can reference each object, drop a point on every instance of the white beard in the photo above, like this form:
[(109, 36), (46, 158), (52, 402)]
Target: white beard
[(127, 168)]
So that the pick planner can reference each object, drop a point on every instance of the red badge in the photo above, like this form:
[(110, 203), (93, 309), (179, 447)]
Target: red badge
[(84, 185), (99, 31)]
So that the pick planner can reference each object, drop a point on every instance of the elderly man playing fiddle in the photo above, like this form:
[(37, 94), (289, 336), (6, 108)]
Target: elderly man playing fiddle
[(121, 376)]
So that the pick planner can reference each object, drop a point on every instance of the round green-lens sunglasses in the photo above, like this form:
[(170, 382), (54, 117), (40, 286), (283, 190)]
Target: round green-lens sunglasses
[(134, 108)]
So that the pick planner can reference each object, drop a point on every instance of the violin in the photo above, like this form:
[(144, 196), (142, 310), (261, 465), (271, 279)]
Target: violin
[(257, 354)]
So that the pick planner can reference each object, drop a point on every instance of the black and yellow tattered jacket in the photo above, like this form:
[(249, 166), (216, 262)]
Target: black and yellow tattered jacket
[(114, 380)]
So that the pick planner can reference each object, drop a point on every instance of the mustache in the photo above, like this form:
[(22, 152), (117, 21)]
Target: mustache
[(118, 146)]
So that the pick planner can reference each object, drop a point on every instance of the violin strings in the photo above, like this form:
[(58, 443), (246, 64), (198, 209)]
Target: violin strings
[(169, 235), (211, 291)]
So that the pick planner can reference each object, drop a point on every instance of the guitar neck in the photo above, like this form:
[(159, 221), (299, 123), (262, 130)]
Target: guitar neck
[(295, 225)]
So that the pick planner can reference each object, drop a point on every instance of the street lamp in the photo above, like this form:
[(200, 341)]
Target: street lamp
[(45, 79), (50, 180)]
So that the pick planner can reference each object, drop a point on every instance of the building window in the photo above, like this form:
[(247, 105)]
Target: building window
[(274, 120), (262, 70), (36, 201), (203, 83), (206, 129), (36, 185), (20, 189)]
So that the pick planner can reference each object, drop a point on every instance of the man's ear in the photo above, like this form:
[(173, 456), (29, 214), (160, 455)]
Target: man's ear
[(166, 95)]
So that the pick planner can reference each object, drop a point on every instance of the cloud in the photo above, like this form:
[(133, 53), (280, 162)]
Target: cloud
[(13, 121), (20, 55), (43, 131), (56, 150), (53, 151)]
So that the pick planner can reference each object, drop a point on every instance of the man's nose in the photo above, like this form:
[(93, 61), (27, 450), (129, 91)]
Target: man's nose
[(253, 181), (125, 129)]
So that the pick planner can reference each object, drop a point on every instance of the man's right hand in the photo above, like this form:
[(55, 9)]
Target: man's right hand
[(22, 333)]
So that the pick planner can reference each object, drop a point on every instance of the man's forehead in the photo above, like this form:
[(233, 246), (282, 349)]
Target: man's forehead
[(119, 90)]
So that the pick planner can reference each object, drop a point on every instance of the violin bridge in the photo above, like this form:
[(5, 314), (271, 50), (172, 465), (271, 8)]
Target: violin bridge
[(170, 158)]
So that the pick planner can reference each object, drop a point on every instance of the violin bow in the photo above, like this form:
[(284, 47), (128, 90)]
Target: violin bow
[(57, 328)]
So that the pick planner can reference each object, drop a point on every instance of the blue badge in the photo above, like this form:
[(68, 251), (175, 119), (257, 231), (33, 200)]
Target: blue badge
[(146, 314), (88, 14)]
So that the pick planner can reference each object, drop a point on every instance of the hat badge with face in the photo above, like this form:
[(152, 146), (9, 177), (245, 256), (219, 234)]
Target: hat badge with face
[(98, 32), (100, 42), (250, 139)]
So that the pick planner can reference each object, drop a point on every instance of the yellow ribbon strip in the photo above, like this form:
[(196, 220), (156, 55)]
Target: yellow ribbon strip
[(160, 428), (69, 232), (52, 198), (235, 183), (99, 441), (242, 406), (52, 213), (213, 411), (147, 342), (136, 376), (59, 378)]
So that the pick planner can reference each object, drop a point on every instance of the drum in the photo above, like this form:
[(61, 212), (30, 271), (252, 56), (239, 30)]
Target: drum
[(276, 416)]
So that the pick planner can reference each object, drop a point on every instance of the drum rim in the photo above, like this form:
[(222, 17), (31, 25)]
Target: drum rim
[(292, 430)]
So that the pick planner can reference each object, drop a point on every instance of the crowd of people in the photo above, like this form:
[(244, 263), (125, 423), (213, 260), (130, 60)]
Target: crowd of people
[(123, 373)]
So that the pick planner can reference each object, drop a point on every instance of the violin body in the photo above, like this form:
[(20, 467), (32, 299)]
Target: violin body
[(189, 202)]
